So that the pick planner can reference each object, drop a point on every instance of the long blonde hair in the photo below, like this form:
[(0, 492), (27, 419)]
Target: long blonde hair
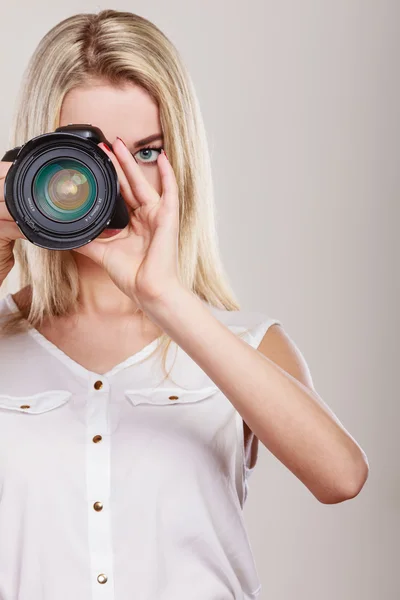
[(119, 47)]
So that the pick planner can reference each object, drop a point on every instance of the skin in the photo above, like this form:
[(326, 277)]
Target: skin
[(133, 117), (278, 401), (104, 306)]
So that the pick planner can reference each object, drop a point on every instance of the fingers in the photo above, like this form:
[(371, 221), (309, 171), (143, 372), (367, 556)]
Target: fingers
[(125, 188), (4, 167), (93, 250), (4, 213), (170, 191), (142, 189), (10, 231)]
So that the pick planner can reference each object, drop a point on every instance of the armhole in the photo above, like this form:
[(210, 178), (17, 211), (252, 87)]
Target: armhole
[(257, 333), (242, 471)]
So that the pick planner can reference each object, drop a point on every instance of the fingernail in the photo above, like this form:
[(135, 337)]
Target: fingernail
[(105, 145), (118, 138), (163, 151)]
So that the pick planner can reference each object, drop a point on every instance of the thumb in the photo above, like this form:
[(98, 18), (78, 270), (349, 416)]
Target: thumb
[(92, 250)]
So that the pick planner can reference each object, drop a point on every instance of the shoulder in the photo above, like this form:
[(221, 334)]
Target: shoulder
[(278, 346), (250, 325), (266, 333)]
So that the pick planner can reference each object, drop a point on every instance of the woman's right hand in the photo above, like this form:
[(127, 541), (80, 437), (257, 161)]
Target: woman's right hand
[(9, 230)]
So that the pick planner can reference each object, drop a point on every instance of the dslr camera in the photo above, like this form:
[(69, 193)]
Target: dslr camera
[(62, 190)]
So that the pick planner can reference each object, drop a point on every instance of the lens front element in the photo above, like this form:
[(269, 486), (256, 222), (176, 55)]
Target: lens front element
[(64, 189)]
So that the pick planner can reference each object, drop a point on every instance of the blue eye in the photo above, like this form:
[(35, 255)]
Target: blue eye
[(148, 155)]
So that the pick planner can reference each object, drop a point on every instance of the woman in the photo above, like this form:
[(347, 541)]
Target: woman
[(119, 479)]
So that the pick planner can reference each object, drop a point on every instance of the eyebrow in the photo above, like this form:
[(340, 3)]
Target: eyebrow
[(148, 140)]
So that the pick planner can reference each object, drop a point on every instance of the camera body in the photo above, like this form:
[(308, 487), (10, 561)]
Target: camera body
[(62, 189)]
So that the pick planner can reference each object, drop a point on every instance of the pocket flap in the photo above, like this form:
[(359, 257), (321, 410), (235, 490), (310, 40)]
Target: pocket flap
[(169, 396), (35, 403)]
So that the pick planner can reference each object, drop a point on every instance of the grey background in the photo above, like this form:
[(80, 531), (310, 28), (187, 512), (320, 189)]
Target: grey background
[(301, 103)]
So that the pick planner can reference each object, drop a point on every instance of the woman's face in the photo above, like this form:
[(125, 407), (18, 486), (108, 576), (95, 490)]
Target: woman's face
[(127, 112)]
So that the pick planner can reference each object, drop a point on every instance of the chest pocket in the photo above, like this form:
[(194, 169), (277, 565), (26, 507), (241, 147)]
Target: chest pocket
[(35, 403), (170, 396)]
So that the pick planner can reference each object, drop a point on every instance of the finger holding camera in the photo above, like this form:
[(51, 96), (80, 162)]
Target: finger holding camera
[(9, 230)]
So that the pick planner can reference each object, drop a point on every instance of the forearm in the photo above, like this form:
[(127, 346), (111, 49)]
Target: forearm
[(290, 419)]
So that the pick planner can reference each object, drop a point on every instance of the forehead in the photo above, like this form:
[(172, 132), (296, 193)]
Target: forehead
[(127, 110)]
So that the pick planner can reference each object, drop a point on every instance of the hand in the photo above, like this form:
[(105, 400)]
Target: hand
[(9, 230), (142, 260)]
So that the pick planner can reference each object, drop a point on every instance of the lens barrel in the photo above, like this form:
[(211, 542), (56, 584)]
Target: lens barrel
[(62, 189)]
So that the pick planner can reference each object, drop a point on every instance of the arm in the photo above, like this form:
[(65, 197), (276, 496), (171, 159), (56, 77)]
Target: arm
[(286, 414)]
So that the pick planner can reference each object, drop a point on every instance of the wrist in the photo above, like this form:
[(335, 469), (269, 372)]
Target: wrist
[(168, 304)]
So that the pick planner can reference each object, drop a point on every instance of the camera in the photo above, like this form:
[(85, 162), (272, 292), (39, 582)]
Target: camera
[(62, 190)]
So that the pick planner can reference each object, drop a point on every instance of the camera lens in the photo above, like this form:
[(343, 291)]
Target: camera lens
[(64, 189)]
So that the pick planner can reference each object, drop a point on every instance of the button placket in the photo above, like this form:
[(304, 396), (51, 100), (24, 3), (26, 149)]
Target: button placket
[(98, 489)]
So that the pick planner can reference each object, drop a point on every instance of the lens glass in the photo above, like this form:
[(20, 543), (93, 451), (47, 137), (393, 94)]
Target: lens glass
[(64, 189)]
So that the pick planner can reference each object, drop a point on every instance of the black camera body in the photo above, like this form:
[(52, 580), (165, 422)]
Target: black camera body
[(62, 189)]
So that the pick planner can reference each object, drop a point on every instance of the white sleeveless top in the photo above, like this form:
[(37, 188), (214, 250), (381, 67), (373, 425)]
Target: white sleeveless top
[(116, 487)]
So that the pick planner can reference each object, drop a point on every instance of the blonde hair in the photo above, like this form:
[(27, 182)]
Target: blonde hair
[(119, 47)]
